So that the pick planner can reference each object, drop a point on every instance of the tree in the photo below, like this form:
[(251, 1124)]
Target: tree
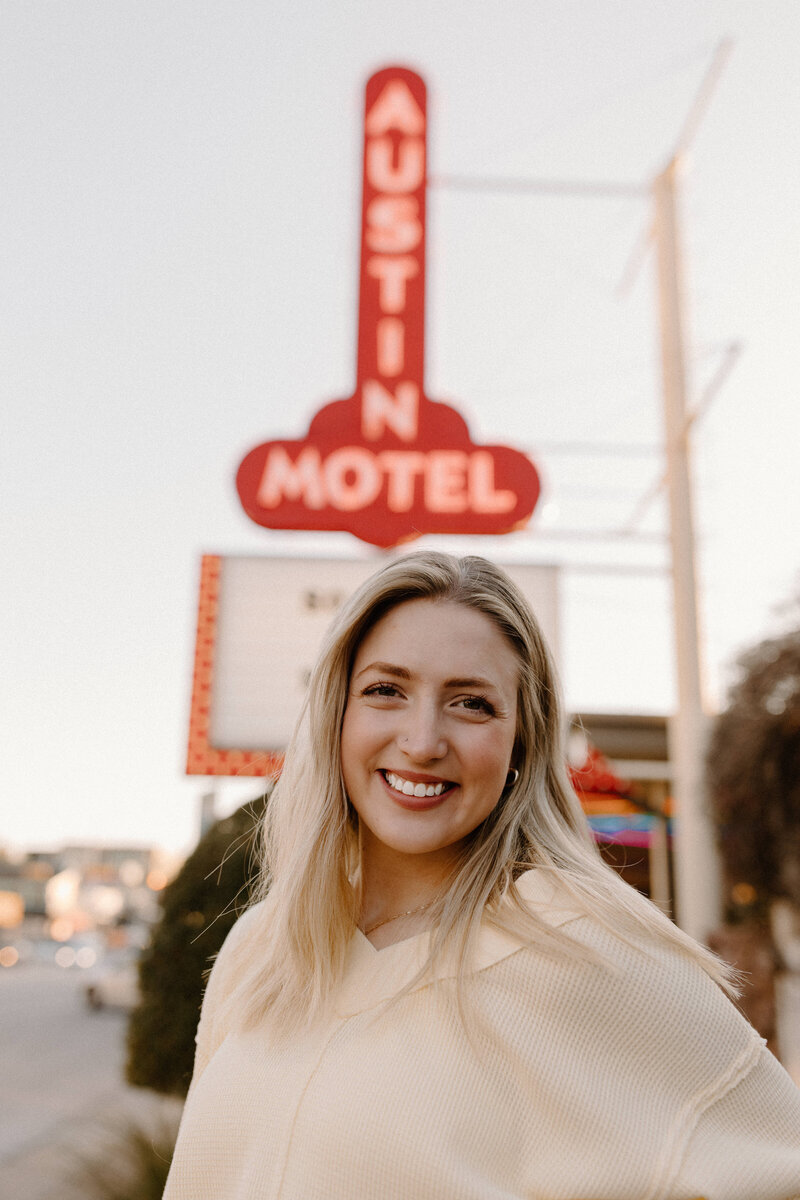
[(198, 909), (753, 772), (753, 776)]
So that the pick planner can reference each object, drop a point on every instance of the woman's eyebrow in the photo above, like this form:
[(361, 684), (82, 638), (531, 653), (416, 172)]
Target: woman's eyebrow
[(386, 669), (474, 681)]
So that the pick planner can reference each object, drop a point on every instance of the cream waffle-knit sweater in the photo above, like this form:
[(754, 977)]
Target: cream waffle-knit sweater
[(635, 1081)]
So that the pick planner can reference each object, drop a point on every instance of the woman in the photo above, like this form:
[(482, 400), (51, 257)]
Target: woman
[(446, 992)]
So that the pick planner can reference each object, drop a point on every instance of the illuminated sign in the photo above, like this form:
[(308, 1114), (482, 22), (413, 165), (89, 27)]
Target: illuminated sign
[(388, 464)]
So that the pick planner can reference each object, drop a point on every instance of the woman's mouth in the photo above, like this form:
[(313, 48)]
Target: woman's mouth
[(416, 793)]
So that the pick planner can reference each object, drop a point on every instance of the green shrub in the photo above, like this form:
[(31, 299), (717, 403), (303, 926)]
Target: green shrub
[(198, 909)]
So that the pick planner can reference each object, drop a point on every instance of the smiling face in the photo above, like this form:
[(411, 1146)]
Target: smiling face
[(429, 728)]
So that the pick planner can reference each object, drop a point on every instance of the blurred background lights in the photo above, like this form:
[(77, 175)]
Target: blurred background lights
[(9, 956)]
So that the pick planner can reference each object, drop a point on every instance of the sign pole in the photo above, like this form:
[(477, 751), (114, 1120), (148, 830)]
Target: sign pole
[(697, 873)]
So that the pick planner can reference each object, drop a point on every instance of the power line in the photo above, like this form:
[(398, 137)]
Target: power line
[(600, 449), (539, 187)]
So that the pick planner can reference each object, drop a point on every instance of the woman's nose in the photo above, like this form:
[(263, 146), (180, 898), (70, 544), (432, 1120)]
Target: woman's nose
[(422, 738)]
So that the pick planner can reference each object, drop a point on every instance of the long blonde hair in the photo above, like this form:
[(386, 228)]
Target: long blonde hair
[(310, 838)]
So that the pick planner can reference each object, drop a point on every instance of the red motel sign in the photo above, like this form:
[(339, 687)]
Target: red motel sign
[(388, 464)]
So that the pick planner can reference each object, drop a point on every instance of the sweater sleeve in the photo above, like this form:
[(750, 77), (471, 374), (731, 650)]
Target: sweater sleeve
[(746, 1144)]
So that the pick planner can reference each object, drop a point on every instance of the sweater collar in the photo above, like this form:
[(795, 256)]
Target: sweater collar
[(373, 976)]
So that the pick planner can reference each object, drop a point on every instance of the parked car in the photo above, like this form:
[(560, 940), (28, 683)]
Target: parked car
[(115, 982)]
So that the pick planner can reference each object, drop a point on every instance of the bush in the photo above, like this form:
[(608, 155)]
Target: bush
[(198, 909), (753, 772), (131, 1163)]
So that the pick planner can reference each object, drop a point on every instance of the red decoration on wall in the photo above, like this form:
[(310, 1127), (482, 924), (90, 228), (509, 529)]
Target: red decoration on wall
[(595, 777), (388, 464)]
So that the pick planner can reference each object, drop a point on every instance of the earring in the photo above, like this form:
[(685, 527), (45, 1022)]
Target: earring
[(512, 777)]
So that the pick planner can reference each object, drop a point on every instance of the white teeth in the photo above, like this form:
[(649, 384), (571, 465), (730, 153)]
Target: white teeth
[(413, 789)]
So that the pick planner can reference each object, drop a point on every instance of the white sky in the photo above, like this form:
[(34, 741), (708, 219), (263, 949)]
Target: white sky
[(180, 210)]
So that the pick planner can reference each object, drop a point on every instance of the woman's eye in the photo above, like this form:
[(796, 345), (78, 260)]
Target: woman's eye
[(380, 689), (477, 704)]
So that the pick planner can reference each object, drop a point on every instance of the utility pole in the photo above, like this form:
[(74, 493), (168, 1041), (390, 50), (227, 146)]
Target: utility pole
[(208, 814), (697, 871)]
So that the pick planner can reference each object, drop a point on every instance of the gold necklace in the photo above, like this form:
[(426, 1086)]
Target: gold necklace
[(410, 912)]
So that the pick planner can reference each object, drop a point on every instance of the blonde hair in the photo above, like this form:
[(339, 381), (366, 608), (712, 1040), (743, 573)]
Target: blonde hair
[(310, 838)]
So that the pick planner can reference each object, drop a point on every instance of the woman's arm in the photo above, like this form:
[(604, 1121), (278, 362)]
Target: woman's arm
[(746, 1145)]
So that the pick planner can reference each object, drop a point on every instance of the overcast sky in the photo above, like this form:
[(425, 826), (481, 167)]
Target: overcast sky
[(180, 218)]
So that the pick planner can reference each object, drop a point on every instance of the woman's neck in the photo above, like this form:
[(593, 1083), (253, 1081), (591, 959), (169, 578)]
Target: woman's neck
[(402, 886)]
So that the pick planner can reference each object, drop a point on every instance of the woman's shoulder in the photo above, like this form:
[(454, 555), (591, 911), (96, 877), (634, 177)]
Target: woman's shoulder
[(225, 976), (544, 894), (252, 923), (249, 928), (614, 921), (629, 969), (248, 921)]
